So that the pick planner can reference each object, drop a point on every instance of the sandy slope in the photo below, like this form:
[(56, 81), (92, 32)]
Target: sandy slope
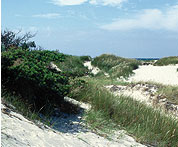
[(167, 75), (94, 70), (16, 131)]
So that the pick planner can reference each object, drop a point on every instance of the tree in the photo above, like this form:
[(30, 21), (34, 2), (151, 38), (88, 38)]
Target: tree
[(11, 39)]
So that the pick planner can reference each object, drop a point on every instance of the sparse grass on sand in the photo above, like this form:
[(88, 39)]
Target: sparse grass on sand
[(167, 61), (170, 92), (147, 125)]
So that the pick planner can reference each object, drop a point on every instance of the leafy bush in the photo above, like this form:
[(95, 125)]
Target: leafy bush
[(167, 61), (26, 73), (73, 66)]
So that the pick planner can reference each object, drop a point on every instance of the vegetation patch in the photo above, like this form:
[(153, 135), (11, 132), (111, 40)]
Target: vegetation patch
[(148, 125), (115, 66), (73, 66), (167, 91), (27, 74), (85, 58), (170, 93), (167, 61)]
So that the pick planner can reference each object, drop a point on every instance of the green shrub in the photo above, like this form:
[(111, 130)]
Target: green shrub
[(73, 66), (167, 61), (26, 73), (85, 58)]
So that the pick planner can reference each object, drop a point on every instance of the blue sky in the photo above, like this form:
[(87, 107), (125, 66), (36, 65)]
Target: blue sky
[(127, 28)]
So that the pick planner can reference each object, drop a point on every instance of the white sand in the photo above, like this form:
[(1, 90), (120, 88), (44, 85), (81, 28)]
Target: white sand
[(93, 69), (167, 75), (16, 131), (136, 94)]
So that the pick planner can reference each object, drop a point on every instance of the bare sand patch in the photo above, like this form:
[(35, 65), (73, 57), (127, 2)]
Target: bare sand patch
[(167, 75)]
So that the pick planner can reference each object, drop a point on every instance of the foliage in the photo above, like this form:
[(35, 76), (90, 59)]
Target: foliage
[(167, 61), (73, 66), (77, 84), (121, 70), (115, 66), (85, 58), (27, 73), (11, 39)]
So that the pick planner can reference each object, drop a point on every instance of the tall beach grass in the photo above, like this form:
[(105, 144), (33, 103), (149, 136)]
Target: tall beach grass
[(147, 125)]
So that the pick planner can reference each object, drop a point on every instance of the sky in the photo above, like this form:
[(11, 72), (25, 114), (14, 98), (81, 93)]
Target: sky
[(126, 28)]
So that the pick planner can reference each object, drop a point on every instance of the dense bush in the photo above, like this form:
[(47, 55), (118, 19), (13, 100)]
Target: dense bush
[(73, 66), (27, 73), (167, 61)]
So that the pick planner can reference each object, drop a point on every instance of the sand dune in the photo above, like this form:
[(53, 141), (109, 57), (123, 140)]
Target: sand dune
[(167, 75)]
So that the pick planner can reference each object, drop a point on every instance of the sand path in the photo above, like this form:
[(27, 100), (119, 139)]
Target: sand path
[(18, 131)]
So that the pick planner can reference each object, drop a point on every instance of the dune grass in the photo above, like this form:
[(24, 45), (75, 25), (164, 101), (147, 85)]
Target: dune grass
[(146, 124), (170, 92), (115, 66), (107, 61), (167, 61), (18, 104)]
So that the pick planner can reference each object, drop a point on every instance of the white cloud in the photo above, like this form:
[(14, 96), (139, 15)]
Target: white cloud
[(93, 2), (107, 2), (48, 15), (68, 2), (152, 19)]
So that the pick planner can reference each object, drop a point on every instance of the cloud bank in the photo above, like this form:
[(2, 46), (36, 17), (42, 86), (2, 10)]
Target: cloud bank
[(151, 19)]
